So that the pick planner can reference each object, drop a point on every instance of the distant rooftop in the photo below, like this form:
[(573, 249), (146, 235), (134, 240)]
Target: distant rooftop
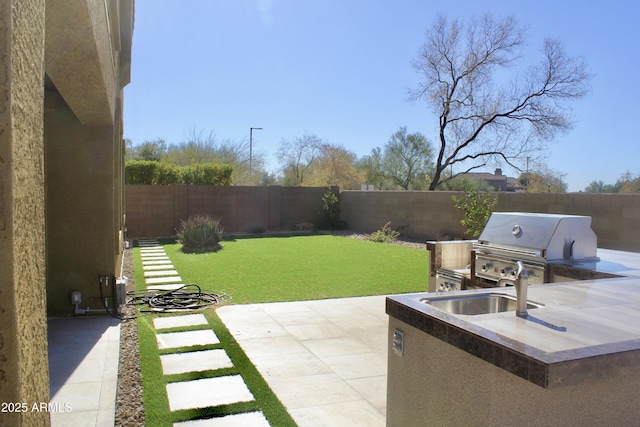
[(496, 180)]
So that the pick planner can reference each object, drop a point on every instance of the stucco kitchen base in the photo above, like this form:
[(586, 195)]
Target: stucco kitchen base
[(435, 383), (573, 361)]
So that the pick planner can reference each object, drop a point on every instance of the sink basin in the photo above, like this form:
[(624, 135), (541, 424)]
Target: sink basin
[(476, 303)]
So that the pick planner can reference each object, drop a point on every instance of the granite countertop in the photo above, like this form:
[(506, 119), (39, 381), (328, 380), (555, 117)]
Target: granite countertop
[(586, 329)]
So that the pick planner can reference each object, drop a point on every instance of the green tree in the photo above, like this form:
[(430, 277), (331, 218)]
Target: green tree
[(543, 181), (151, 150), (407, 158), (335, 165), (373, 169), (628, 183), (601, 187), (480, 120)]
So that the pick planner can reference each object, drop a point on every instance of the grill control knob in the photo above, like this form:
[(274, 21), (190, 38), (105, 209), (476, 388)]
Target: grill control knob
[(485, 267), (506, 271)]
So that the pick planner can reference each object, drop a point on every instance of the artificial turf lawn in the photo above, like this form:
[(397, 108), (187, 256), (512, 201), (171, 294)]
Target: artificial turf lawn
[(269, 269), (296, 268), (156, 404)]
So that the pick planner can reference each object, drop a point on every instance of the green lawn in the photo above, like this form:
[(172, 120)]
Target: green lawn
[(269, 269), (293, 268)]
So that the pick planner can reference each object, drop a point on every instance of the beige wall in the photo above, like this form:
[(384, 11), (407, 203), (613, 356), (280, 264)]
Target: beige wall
[(426, 215), (81, 234), (23, 330), (87, 63)]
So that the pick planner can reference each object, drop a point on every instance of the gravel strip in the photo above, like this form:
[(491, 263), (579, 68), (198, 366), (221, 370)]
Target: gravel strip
[(129, 401)]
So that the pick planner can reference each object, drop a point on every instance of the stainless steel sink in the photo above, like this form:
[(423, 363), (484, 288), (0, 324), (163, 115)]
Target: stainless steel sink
[(476, 303)]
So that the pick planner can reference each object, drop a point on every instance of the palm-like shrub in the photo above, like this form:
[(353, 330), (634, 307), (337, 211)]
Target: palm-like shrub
[(200, 234)]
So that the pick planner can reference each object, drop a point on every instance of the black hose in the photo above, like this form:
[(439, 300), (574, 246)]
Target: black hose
[(181, 299)]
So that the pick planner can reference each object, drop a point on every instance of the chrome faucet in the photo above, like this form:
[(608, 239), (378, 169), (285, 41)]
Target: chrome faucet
[(521, 282)]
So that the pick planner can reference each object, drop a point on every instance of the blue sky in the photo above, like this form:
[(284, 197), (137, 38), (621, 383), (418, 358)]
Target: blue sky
[(340, 69)]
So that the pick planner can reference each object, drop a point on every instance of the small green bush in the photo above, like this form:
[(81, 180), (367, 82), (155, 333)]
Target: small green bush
[(477, 206), (200, 234), (385, 235), (331, 212)]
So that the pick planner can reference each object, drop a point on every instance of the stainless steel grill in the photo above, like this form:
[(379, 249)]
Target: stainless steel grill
[(536, 240)]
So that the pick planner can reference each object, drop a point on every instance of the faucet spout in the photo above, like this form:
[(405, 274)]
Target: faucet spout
[(521, 282)]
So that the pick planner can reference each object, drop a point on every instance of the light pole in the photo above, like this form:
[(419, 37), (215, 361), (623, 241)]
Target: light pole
[(251, 150)]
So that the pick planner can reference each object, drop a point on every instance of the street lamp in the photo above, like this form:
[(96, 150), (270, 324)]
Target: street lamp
[(251, 149)]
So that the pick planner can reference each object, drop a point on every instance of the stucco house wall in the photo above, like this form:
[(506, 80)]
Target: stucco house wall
[(87, 63), (60, 173), (23, 332)]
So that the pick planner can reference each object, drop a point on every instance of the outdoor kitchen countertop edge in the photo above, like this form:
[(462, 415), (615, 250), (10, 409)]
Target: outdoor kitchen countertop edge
[(584, 331)]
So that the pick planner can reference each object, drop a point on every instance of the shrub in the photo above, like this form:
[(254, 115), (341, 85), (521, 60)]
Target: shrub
[(152, 172), (208, 174), (200, 234), (140, 172), (331, 212), (385, 235), (477, 207), (167, 174)]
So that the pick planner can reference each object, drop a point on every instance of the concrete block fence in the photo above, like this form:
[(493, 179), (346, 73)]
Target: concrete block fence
[(157, 211)]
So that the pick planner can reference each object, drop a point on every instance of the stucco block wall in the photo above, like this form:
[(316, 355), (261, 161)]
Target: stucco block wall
[(418, 213), (158, 210), (427, 215), (614, 216), (23, 329)]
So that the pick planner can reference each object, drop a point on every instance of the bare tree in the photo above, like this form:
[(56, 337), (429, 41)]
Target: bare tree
[(480, 120), (297, 156)]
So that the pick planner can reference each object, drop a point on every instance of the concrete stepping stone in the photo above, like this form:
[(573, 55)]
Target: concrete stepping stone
[(155, 262), (153, 257), (161, 280), (186, 339), (152, 252), (195, 361), (208, 392), (253, 419), (168, 287), (179, 321), (165, 259), (158, 267), (156, 273)]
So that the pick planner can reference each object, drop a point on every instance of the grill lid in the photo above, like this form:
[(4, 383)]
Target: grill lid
[(555, 236)]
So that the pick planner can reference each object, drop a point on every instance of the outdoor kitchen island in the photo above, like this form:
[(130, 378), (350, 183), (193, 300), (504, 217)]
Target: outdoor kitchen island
[(573, 361)]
